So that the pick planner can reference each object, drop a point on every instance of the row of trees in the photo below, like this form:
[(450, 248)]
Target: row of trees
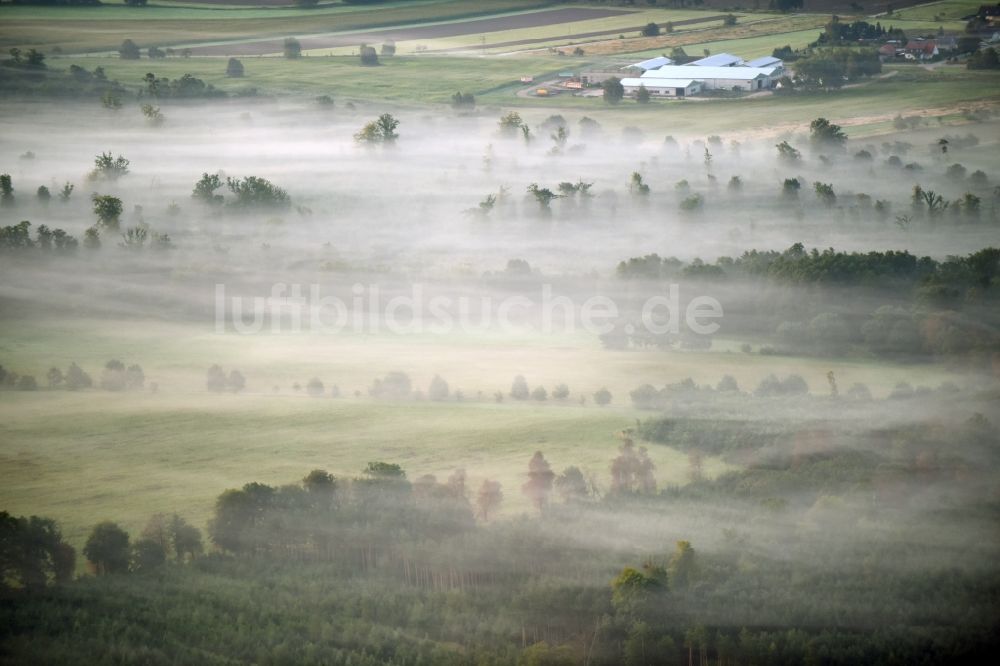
[(249, 192), (353, 568), (115, 376), (110, 549)]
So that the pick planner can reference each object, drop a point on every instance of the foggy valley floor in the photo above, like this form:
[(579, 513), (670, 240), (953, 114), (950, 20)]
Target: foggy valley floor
[(285, 381)]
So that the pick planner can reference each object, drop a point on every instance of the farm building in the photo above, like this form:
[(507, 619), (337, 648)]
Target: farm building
[(716, 78), (766, 61), (889, 51), (659, 87), (652, 63), (717, 60), (947, 43), (920, 49)]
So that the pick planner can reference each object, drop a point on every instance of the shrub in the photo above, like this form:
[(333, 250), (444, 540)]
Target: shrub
[(438, 389), (519, 388)]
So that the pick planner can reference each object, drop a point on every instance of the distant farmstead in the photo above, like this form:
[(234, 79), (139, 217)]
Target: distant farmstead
[(661, 87), (661, 77), (652, 63), (921, 49), (718, 60), (710, 78)]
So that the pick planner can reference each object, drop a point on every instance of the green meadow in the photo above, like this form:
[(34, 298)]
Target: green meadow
[(83, 456)]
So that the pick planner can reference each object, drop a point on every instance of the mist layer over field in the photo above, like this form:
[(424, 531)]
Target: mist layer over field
[(829, 449)]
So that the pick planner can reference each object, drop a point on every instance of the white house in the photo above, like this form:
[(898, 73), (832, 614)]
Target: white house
[(718, 60), (717, 78), (662, 87)]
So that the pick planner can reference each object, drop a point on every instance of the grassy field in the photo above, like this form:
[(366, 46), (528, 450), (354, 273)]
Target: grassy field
[(747, 47), (556, 35), (79, 29), (421, 80), (751, 26), (124, 457), (176, 357), (415, 80), (945, 91), (932, 11), (82, 457)]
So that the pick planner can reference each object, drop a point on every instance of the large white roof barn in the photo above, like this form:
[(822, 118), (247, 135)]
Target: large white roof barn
[(717, 78), (766, 61), (662, 87), (652, 63), (718, 60)]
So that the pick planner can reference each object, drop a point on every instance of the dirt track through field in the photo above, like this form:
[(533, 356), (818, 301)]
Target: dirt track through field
[(455, 29), (578, 35)]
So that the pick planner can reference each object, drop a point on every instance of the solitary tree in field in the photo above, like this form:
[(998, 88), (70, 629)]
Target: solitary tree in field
[(636, 185), (543, 196), (369, 56), (129, 51), (650, 30), (76, 378), (438, 390), (602, 397), (787, 153), (107, 209), (632, 470), (315, 388), (256, 192), (683, 566), (236, 382), (153, 114), (519, 389), (204, 189), (488, 498), (790, 188), (538, 487), (382, 130), (614, 91), (825, 193), (107, 167), (216, 379), (462, 100), (292, 48), (510, 124), (572, 485), (107, 548), (55, 377), (321, 486), (234, 69), (823, 133), (6, 191)]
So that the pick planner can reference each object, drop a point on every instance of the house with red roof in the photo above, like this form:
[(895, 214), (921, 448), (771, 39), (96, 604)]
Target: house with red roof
[(921, 49)]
